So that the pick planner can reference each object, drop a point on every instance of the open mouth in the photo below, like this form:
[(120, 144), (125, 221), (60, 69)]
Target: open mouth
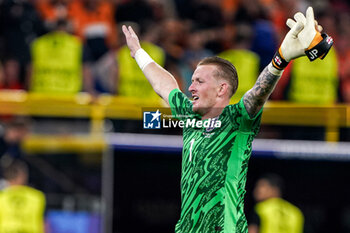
[(195, 97)]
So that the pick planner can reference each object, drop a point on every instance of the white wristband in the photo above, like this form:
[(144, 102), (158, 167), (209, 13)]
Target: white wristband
[(142, 58), (274, 71)]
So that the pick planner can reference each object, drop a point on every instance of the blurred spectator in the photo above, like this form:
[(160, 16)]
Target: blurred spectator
[(2, 77), (52, 10), (172, 38), (56, 62), (11, 137), (162, 9), (137, 11), (93, 21), (343, 51), (264, 38), (245, 61), (131, 80), (345, 77), (194, 52), (9, 77), (210, 23), (20, 24), (100, 75), (207, 15), (315, 82), (249, 11), (265, 34), (264, 42), (272, 214), (22, 207), (183, 8), (278, 12), (229, 9)]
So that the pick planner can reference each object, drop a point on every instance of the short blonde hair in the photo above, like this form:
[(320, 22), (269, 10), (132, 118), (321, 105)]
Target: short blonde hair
[(226, 70)]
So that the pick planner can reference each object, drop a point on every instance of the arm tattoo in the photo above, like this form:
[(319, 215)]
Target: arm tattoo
[(256, 97)]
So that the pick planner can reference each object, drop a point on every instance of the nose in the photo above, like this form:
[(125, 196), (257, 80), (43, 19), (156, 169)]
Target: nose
[(191, 88)]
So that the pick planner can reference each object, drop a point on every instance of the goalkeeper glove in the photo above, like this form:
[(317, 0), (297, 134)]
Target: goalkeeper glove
[(303, 38)]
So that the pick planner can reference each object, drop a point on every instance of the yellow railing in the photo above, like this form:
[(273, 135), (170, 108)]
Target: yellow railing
[(332, 117)]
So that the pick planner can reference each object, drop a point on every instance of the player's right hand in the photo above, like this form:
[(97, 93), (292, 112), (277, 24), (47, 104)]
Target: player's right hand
[(131, 40)]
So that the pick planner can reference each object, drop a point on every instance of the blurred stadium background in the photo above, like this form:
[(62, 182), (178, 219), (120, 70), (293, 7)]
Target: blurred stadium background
[(86, 146)]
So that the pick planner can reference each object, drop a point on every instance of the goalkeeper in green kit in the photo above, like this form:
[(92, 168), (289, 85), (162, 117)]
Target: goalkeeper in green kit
[(215, 159)]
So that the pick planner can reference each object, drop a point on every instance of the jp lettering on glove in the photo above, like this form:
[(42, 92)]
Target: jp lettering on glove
[(319, 47), (315, 44)]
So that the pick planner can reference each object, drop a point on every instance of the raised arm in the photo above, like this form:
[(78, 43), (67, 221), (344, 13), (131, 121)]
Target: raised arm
[(304, 38), (160, 79), (256, 97)]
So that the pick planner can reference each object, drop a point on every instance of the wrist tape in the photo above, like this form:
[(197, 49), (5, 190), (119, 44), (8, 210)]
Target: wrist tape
[(273, 70), (321, 49), (142, 58), (278, 60)]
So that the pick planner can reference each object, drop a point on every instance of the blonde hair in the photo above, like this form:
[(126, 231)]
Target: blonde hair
[(226, 70)]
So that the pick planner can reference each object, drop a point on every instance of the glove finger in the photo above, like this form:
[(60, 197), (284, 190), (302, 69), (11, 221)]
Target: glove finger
[(296, 29), (290, 23), (318, 27), (310, 18), (299, 17)]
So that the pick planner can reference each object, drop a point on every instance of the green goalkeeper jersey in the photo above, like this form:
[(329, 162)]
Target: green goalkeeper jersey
[(214, 168)]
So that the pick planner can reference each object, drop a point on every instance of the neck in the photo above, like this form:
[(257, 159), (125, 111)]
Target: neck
[(14, 182)]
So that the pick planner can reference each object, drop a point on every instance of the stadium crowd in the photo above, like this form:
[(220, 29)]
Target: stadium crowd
[(68, 46)]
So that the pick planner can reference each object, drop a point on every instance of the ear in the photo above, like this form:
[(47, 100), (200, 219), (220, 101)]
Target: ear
[(223, 89)]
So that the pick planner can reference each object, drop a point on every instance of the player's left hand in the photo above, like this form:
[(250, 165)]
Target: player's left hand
[(304, 38), (310, 38), (302, 32), (309, 32), (290, 47)]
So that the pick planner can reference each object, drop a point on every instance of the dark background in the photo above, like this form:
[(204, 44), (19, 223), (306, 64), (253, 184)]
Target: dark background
[(147, 190)]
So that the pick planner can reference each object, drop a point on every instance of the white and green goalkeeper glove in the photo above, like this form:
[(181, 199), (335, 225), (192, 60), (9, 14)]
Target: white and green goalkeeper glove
[(304, 38)]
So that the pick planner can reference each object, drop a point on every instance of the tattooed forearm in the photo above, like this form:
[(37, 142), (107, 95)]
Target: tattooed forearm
[(256, 97)]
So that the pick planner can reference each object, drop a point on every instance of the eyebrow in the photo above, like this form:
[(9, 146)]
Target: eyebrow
[(195, 78)]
